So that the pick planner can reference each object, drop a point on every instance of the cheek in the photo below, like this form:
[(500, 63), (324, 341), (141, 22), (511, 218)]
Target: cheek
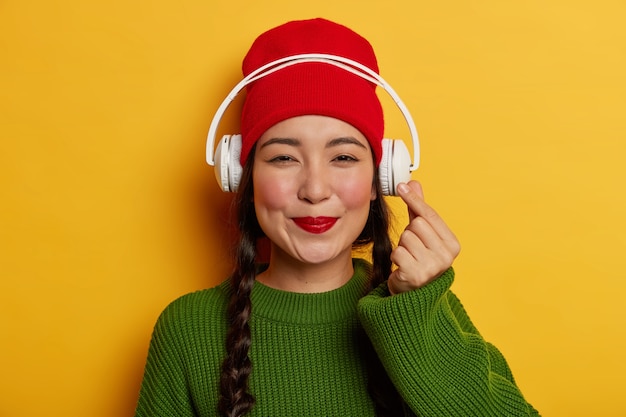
[(270, 192), (357, 192)]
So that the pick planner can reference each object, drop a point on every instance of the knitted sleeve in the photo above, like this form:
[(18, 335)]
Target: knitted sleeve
[(164, 390), (435, 356)]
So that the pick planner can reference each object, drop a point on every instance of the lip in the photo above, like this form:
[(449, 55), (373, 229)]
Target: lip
[(315, 225)]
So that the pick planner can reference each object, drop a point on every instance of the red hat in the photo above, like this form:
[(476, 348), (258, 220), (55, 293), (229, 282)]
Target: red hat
[(310, 88)]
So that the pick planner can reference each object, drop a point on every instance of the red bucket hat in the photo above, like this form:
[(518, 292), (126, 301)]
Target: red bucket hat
[(310, 88)]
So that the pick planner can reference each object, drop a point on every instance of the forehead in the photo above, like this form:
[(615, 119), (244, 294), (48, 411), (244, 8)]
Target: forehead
[(313, 129)]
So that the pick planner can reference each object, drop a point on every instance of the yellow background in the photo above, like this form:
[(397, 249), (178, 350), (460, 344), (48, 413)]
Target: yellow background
[(108, 211)]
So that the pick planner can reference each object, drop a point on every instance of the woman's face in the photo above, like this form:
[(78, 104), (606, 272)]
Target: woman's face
[(312, 179)]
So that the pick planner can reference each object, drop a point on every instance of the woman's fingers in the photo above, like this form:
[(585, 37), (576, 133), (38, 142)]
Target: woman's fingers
[(426, 248)]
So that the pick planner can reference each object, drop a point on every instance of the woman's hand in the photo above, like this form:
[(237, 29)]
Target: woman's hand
[(427, 247)]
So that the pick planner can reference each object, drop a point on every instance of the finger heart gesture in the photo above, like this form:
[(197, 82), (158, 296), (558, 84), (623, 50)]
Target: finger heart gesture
[(427, 247)]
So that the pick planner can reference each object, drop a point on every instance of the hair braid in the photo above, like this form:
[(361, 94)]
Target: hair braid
[(235, 400), (387, 401)]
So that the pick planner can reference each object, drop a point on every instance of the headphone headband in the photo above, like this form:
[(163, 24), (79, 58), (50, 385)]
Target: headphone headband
[(347, 64)]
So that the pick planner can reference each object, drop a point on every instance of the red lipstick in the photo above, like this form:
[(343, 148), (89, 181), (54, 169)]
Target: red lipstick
[(315, 225)]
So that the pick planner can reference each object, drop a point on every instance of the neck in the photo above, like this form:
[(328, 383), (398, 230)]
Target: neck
[(288, 274)]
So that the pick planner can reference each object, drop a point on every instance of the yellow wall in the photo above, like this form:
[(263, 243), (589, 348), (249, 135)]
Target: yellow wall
[(108, 211)]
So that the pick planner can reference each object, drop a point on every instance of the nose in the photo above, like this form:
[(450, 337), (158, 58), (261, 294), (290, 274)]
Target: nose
[(315, 184)]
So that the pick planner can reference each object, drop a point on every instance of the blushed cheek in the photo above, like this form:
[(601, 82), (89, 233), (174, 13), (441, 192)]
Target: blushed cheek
[(357, 192), (269, 193)]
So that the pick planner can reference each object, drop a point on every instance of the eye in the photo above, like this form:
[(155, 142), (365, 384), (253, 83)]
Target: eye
[(281, 159), (345, 158)]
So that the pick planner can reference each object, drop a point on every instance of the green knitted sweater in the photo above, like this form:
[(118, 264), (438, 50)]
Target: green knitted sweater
[(306, 359)]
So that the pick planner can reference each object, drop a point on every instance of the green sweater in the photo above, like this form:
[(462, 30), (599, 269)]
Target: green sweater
[(306, 358)]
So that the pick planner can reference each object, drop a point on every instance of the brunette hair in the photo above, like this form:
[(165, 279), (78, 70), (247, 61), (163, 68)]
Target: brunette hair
[(235, 399)]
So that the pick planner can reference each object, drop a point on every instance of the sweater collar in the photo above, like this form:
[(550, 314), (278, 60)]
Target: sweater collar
[(311, 308)]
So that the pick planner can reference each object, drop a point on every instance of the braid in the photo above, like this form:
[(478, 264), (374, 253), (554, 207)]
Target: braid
[(387, 401), (235, 400)]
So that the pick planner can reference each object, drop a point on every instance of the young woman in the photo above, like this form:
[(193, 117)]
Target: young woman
[(315, 332)]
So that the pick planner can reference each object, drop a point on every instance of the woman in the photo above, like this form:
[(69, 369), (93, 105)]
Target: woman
[(314, 331)]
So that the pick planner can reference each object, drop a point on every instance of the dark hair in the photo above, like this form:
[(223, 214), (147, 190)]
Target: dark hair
[(235, 400)]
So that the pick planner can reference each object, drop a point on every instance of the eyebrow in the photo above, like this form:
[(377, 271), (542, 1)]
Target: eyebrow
[(347, 140), (282, 141)]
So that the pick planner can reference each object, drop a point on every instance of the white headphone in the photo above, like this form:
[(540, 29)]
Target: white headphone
[(395, 165)]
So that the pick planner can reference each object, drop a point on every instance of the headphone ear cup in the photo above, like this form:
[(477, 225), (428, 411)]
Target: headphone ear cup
[(227, 166), (401, 165), (234, 163), (221, 165), (394, 166), (385, 174)]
